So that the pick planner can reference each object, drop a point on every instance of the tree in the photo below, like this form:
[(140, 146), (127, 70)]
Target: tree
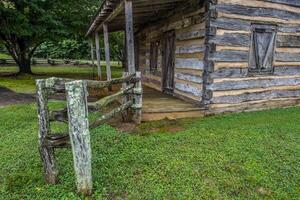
[(26, 24)]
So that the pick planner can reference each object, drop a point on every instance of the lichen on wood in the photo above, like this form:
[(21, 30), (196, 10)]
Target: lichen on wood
[(46, 152), (80, 135)]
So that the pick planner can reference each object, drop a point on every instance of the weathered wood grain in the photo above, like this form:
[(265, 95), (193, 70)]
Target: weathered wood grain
[(80, 135), (98, 53), (138, 99), (189, 77), (256, 96), (186, 88), (46, 152), (111, 114), (254, 12), (190, 63), (255, 83)]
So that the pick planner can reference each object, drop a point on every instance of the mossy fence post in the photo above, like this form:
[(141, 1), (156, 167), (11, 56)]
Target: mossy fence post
[(46, 152), (80, 135)]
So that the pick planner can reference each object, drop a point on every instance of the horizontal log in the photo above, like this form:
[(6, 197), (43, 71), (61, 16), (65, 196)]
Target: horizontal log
[(253, 105), (295, 3), (190, 63), (288, 41), (229, 56), (231, 39), (245, 25), (191, 35), (288, 57), (242, 56), (113, 113), (186, 88), (190, 49), (58, 141), (187, 96), (261, 4), (254, 12), (59, 115), (104, 84), (256, 96), (254, 83), (99, 105), (243, 72), (189, 77)]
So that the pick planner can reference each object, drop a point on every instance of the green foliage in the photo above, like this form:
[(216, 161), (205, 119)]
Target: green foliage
[(4, 56), (238, 156), (78, 47), (65, 49), (27, 24)]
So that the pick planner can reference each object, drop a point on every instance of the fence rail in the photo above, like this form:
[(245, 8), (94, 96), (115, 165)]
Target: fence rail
[(10, 61), (76, 115)]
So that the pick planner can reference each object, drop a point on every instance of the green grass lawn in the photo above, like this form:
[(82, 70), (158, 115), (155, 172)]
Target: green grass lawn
[(5, 56), (26, 83), (238, 156)]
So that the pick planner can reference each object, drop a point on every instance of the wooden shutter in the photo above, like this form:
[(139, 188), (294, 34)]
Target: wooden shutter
[(262, 48)]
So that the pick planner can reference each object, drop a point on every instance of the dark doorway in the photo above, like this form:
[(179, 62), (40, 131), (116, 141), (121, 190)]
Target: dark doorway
[(168, 58)]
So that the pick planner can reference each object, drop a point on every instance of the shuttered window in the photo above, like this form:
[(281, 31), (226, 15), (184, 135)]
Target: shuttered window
[(153, 56), (263, 42)]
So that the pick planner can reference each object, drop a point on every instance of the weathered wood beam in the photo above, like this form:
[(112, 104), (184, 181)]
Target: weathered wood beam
[(107, 53), (105, 84), (109, 99), (113, 113), (58, 84), (112, 15), (129, 36), (125, 98), (92, 53), (98, 55), (46, 152), (80, 135), (59, 115), (58, 141), (138, 102)]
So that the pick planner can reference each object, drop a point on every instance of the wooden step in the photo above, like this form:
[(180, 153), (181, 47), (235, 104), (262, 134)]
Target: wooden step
[(154, 116)]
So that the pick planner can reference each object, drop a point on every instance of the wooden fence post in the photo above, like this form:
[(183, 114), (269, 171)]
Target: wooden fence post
[(125, 99), (79, 134), (138, 102), (46, 152)]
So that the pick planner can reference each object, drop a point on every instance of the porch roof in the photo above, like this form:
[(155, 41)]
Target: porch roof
[(112, 12)]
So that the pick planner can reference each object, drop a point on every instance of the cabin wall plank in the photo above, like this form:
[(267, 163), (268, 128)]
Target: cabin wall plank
[(232, 87), (190, 32)]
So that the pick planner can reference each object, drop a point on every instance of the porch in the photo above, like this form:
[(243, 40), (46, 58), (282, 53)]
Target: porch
[(158, 106)]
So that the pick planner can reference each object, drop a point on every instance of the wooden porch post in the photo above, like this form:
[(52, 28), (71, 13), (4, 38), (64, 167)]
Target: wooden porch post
[(98, 54), (107, 53), (92, 53), (129, 36)]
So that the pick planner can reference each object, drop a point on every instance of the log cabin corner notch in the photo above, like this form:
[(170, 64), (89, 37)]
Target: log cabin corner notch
[(221, 55)]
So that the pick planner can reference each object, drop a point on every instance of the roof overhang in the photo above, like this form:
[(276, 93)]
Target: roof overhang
[(112, 13)]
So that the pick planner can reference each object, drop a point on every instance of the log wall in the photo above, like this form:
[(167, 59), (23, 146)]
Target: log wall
[(229, 87), (189, 25)]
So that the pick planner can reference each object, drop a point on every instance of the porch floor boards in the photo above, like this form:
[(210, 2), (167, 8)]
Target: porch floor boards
[(158, 106)]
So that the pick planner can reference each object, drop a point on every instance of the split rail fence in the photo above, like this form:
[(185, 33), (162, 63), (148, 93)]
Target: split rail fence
[(76, 116)]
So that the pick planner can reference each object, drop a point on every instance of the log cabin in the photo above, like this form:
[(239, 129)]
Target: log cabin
[(202, 57)]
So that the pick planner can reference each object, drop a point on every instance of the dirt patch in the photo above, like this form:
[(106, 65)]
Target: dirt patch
[(9, 97)]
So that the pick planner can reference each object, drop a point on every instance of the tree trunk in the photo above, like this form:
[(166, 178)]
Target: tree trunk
[(24, 65)]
